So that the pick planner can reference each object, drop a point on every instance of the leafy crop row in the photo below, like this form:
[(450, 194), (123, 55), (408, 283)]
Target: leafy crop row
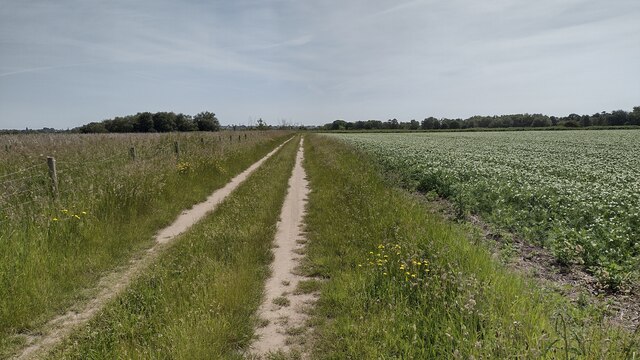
[(577, 192)]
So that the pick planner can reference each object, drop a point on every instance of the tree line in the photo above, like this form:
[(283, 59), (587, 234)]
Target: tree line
[(614, 118), (145, 122)]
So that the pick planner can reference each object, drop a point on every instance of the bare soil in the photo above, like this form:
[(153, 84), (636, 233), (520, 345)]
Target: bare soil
[(114, 283), (283, 313)]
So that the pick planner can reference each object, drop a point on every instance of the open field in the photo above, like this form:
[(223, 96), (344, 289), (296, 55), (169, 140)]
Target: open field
[(392, 278), (574, 192), (54, 250)]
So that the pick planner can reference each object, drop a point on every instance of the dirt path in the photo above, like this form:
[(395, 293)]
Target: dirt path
[(283, 311), (113, 284)]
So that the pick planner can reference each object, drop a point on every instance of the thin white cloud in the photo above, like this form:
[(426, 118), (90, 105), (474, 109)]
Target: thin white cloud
[(289, 59)]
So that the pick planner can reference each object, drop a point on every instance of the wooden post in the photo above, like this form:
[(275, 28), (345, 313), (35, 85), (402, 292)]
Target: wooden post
[(230, 138), (53, 174), (132, 153), (176, 148), (238, 138), (202, 140), (245, 136)]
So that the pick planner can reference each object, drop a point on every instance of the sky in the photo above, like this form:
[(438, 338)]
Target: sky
[(65, 63)]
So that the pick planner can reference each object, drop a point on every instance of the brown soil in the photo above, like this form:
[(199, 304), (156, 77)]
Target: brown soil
[(114, 283), (283, 312)]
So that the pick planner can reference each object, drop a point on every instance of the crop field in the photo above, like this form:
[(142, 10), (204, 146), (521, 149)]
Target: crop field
[(576, 193)]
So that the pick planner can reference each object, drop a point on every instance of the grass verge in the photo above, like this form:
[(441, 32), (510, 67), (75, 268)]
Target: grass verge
[(198, 300), (404, 283)]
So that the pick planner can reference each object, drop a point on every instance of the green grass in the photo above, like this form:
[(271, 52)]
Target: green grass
[(199, 299), (404, 283), (52, 251), (308, 287), (282, 301)]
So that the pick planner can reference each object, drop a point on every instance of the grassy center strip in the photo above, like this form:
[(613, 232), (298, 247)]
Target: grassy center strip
[(198, 300), (404, 283)]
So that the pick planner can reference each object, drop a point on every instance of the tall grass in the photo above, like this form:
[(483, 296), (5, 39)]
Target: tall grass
[(404, 283), (198, 300), (53, 249)]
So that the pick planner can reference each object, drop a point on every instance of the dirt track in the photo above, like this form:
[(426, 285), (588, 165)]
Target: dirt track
[(114, 283), (284, 318)]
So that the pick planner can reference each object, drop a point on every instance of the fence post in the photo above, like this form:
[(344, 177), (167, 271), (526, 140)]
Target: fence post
[(230, 138), (53, 174), (176, 148), (132, 153), (202, 140), (238, 138)]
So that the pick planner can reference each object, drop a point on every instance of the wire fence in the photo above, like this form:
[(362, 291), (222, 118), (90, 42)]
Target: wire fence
[(40, 181)]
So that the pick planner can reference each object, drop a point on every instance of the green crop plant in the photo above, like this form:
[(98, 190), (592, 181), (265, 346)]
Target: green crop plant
[(575, 192)]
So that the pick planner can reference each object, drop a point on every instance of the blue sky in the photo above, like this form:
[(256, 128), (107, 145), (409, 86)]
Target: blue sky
[(64, 63)]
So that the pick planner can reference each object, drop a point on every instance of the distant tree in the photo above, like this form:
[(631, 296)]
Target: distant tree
[(261, 124), (539, 120), (337, 125), (185, 123), (164, 121), (571, 123), (206, 121), (374, 124), (634, 116), (359, 125), (429, 123), (119, 125), (574, 118), (143, 122), (94, 127), (598, 120), (455, 124), (585, 120), (618, 117), (414, 125)]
